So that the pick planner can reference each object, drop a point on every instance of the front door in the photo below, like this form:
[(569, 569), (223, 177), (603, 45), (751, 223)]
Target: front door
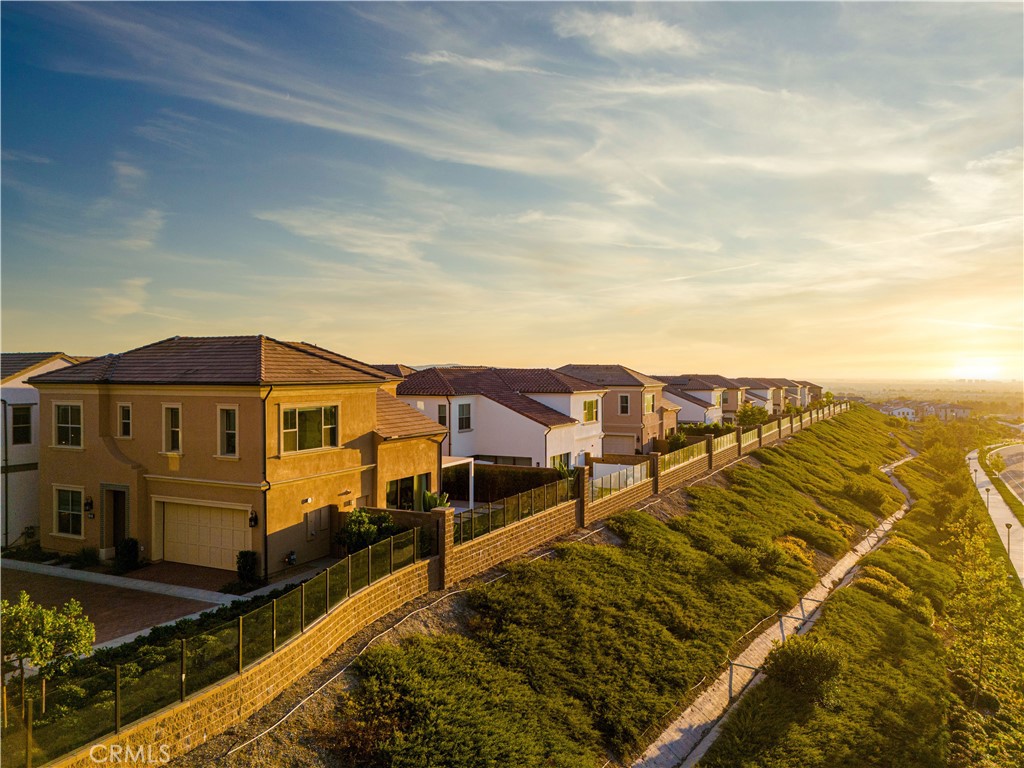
[(119, 515)]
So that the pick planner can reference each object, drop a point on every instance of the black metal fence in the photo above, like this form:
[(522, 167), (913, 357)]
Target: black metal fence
[(484, 518), (75, 711)]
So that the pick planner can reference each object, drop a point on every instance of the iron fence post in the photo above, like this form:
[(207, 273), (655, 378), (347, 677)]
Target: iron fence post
[(273, 634), (369, 565), (391, 564), (327, 586), (302, 607), (241, 619), (348, 575), (28, 732), (117, 698), (182, 692), (416, 545)]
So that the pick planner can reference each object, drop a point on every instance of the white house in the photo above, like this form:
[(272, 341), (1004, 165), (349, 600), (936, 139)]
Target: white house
[(766, 394), (692, 408), (522, 416), (19, 494)]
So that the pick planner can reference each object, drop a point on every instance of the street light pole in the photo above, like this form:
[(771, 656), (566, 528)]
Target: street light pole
[(987, 492), (975, 475), (1008, 527)]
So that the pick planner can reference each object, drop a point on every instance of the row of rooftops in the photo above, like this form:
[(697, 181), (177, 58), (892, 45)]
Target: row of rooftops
[(262, 360)]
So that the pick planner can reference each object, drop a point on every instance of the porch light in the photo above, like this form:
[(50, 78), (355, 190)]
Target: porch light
[(253, 519), (87, 506)]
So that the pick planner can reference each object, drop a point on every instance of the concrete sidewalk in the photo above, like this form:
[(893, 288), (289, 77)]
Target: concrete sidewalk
[(1000, 513)]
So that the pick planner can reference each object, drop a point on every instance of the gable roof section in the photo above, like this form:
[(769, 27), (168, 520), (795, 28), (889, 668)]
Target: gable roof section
[(782, 383), (720, 381), (13, 364), (396, 419), (397, 370), (691, 382), (677, 391), (752, 383), (488, 382), (545, 381), (610, 375), (242, 360)]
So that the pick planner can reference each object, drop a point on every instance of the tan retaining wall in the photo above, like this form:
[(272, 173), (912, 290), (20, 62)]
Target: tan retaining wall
[(473, 557), (683, 472), (617, 502), (190, 723)]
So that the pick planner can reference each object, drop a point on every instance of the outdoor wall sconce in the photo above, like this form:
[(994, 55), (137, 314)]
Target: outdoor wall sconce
[(307, 500), (290, 558), (253, 519), (88, 504)]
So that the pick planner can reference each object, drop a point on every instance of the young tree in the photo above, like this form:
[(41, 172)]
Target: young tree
[(751, 415), (47, 638)]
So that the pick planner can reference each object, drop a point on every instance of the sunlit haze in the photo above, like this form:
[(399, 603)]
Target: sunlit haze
[(805, 190)]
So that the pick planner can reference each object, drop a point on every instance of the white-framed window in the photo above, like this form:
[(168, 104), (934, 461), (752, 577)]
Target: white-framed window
[(67, 511), (227, 430), (442, 414), (21, 425), (623, 405), (465, 417), (725, 397), (306, 429), (172, 428), (589, 411), (67, 424), (648, 402), (124, 420)]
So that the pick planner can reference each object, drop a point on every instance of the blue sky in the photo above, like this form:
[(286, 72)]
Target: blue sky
[(812, 190)]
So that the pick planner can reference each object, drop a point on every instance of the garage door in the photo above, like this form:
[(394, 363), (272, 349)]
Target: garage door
[(202, 535)]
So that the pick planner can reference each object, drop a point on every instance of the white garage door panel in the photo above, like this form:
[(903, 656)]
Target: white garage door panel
[(201, 535)]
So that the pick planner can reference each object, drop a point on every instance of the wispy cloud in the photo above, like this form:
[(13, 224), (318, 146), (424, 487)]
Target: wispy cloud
[(129, 178), (472, 62), (14, 156), (129, 297), (634, 34)]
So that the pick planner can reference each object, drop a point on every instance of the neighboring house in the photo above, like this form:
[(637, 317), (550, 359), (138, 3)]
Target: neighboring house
[(692, 408), (767, 394), (203, 447), (635, 414), (397, 370), (903, 412), (727, 393), (787, 392), (521, 416), (757, 400), (813, 392), (19, 494), (948, 412)]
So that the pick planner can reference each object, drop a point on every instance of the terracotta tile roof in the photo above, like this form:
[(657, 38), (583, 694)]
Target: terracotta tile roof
[(545, 380), (752, 396), (396, 419), (610, 375), (691, 382), (220, 360), (488, 382), (755, 383), (14, 363), (780, 382), (397, 370)]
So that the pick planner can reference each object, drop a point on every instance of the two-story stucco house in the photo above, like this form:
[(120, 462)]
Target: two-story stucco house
[(764, 394), (203, 447), (635, 412), (812, 392), (695, 387), (693, 408), (19, 494), (519, 416)]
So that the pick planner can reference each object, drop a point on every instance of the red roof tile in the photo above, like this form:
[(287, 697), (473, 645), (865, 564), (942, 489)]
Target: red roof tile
[(610, 375), (396, 419), (220, 360)]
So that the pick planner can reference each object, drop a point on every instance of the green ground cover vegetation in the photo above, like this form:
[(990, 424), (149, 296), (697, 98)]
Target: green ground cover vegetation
[(930, 631), (598, 643)]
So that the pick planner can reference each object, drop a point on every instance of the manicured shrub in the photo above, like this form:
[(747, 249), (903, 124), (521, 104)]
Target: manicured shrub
[(808, 667), (126, 555), (363, 528), (248, 565)]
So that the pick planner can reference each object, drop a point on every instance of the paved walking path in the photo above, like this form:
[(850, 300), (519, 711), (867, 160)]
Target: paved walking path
[(1000, 513), (690, 736)]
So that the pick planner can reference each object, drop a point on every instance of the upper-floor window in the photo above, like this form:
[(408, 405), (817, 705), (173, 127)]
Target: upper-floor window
[(68, 512), (648, 402), (623, 405), (172, 429), (68, 423), (589, 411), (465, 417), (725, 398), (21, 425), (227, 430), (442, 414), (124, 420), (304, 429)]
